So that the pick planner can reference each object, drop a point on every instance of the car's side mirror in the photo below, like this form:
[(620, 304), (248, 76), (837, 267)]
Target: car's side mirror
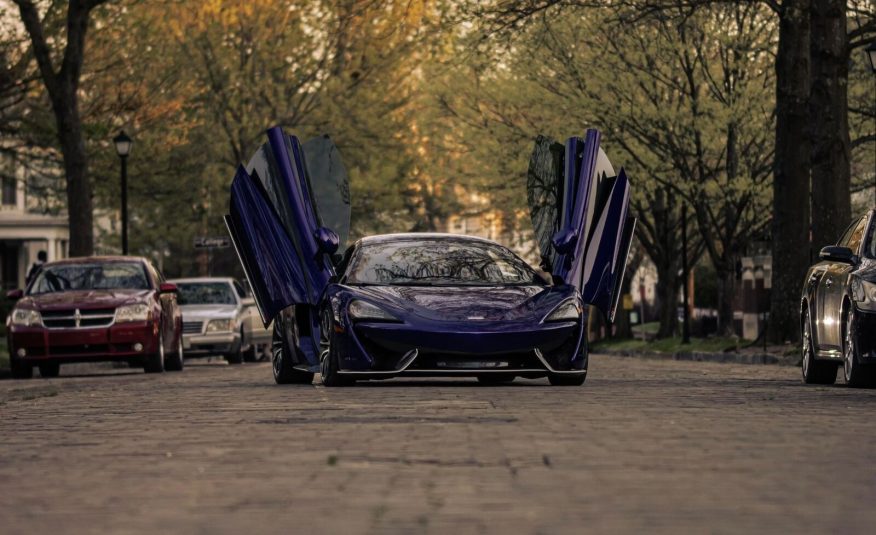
[(327, 239), (14, 295), (835, 253), (167, 288), (248, 302)]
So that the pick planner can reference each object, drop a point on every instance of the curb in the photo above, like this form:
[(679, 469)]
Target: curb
[(691, 356)]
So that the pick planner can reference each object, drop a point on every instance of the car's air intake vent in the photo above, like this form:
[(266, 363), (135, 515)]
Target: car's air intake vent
[(78, 318), (192, 327)]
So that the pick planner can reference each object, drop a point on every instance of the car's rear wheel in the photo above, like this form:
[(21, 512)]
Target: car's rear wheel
[(815, 372), (20, 370), (283, 367), (857, 374), (176, 362), (495, 379), (557, 379), (252, 353), (154, 363), (50, 369)]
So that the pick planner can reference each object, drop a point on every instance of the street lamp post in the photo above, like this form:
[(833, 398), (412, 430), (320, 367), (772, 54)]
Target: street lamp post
[(871, 55), (123, 145)]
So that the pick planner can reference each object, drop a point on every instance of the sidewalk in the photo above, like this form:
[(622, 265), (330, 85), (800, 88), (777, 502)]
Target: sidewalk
[(700, 351)]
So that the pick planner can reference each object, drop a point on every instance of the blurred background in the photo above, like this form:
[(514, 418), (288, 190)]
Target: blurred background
[(435, 106)]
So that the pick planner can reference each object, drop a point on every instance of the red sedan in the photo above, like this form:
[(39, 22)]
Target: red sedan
[(95, 309)]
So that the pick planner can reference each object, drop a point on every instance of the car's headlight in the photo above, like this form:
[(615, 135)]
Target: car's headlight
[(360, 310), (224, 325), (138, 312), (864, 294), (26, 317), (567, 311)]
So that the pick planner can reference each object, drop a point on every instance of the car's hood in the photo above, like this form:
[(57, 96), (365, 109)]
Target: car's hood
[(84, 299), (475, 303), (207, 312)]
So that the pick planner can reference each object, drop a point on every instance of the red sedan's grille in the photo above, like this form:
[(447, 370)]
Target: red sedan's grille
[(78, 318)]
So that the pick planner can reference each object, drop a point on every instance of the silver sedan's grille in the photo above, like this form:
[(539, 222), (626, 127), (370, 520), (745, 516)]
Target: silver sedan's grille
[(192, 327), (78, 318)]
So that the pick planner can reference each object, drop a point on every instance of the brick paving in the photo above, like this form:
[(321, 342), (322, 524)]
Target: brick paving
[(656, 446)]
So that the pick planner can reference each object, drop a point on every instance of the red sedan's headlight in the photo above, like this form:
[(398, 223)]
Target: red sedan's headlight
[(26, 317), (138, 312)]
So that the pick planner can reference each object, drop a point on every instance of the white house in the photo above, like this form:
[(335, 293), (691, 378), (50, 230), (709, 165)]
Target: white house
[(23, 233)]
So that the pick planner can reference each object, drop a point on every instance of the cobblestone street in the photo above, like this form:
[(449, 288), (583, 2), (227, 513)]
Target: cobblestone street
[(644, 445)]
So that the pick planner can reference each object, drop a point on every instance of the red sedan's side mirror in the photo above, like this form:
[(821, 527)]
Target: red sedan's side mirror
[(14, 295), (167, 288)]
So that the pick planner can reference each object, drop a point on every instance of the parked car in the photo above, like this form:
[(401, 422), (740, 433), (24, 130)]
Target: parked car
[(219, 318), (838, 309), (95, 309), (427, 304)]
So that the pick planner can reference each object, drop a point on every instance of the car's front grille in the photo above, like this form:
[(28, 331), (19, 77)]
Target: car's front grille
[(78, 318), (192, 327)]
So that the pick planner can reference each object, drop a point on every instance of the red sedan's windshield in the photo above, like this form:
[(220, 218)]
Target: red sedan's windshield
[(106, 276)]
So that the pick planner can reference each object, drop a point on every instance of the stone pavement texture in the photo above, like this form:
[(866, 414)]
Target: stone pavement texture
[(644, 446)]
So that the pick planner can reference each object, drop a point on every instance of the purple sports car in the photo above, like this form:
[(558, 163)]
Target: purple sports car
[(427, 304)]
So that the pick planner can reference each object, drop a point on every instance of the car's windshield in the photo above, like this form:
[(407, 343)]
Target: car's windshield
[(439, 262), (205, 293), (92, 276)]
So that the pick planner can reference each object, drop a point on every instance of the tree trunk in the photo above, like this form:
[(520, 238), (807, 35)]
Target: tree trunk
[(790, 226), (79, 201), (828, 106), (668, 285), (726, 293)]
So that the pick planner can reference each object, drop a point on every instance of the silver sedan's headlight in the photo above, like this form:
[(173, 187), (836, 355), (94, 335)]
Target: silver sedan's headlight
[(567, 311), (26, 317), (220, 326), (361, 310), (138, 312), (864, 294)]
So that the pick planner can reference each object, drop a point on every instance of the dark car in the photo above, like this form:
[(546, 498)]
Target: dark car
[(838, 311), (427, 304), (95, 309)]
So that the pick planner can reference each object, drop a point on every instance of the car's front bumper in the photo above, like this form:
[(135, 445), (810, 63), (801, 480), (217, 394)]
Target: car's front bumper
[(211, 344), (116, 342), (392, 349)]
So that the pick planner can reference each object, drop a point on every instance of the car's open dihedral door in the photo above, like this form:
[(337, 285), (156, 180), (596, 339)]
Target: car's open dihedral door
[(276, 219), (580, 212)]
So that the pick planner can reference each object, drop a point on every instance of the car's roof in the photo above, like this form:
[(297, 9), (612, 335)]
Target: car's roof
[(202, 279), (401, 236), (97, 259)]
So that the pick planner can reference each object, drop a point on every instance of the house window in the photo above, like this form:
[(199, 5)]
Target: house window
[(10, 190)]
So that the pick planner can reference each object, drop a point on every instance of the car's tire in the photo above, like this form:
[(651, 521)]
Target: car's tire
[(236, 356), (154, 363), (328, 359), (815, 372), (20, 370), (252, 353), (856, 373), (281, 363), (50, 369), (176, 363), (557, 379), (496, 379)]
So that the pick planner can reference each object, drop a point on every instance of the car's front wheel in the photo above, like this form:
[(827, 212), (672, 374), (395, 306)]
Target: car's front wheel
[(176, 362), (815, 372), (236, 356), (328, 360), (856, 373), (283, 367), (50, 369), (20, 370), (154, 363)]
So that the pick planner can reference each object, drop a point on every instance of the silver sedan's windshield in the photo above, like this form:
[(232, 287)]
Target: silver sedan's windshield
[(205, 293)]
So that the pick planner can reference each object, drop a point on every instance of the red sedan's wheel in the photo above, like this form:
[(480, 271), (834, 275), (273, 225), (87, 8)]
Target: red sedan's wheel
[(176, 363), (155, 362), (20, 370)]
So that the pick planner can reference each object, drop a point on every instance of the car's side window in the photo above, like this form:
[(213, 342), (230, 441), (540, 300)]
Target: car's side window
[(870, 243), (844, 240), (857, 236)]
